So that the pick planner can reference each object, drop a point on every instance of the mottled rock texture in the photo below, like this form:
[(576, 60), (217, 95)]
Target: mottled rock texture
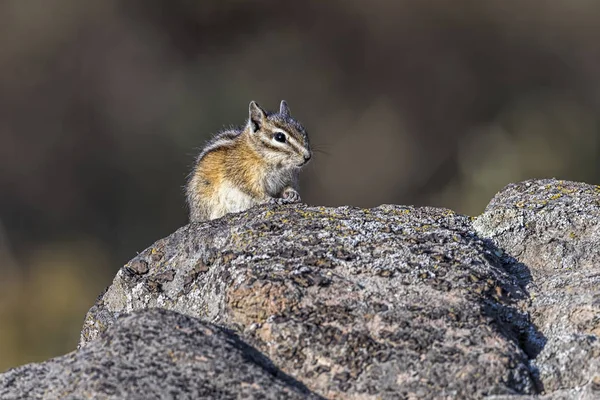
[(383, 303), (156, 354), (553, 228)]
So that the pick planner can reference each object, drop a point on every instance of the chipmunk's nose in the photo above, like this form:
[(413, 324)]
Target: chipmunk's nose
[(307, 155)]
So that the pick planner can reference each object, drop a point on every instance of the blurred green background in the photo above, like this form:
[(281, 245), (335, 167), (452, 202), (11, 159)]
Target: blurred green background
[(104, 104)]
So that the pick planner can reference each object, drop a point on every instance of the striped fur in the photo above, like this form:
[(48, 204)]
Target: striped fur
[(240, 168)]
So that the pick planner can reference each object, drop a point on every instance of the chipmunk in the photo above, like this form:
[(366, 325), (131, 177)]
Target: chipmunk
[(257, 164)]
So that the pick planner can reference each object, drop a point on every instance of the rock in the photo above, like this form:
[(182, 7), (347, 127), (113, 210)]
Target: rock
[(553, 228), (155, 354), (390, 302)]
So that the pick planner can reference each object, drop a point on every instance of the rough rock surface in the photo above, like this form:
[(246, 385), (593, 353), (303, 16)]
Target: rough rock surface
[(391, 302), (553, 228), (155, 354), (381, 303)]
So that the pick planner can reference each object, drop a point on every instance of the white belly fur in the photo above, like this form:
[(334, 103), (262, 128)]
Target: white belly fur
[(231, 199)]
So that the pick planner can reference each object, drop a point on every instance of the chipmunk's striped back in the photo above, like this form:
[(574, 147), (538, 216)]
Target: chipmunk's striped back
[(223, 138)]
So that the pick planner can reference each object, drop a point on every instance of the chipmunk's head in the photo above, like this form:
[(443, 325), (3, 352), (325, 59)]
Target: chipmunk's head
[(279, 138)]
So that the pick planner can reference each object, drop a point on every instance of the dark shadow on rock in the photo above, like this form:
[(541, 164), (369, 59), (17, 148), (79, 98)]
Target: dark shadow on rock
[(512, 320), (255, 356)]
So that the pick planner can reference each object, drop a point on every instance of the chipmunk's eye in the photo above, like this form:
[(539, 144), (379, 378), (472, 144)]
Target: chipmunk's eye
[(280, 137)]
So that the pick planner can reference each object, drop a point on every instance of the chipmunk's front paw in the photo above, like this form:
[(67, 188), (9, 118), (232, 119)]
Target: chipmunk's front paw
[(291, 196)]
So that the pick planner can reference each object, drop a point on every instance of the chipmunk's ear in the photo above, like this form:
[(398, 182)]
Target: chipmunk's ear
[(257, 116), (283, 108)]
